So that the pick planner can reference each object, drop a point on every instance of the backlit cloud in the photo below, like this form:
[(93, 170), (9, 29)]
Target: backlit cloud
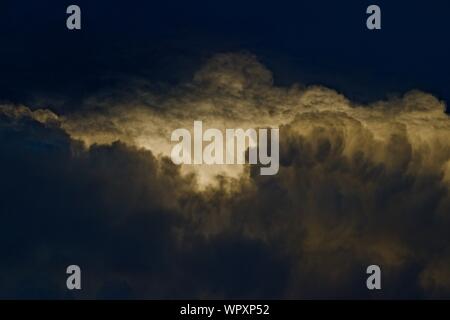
[(357, 185)]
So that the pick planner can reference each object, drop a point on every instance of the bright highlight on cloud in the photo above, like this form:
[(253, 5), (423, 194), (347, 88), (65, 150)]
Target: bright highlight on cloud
[(236, 91), (357, 184)]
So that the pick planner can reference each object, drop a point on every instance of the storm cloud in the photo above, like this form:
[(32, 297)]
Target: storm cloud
[(357, 185)]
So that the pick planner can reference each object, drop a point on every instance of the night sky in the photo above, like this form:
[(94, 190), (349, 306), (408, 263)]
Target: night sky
[(364, 152), (310, 42)]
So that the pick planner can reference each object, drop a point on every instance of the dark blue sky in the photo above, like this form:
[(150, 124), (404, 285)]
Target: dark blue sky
[(324, 42)]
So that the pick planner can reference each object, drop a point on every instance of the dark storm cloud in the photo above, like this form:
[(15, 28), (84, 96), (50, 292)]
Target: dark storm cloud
[(115, 211), (357, 185)]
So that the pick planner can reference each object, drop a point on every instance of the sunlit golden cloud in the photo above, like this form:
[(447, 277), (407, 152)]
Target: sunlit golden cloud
[(236, 91)]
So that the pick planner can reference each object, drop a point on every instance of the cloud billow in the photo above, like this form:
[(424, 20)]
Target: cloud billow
[(357, 185)]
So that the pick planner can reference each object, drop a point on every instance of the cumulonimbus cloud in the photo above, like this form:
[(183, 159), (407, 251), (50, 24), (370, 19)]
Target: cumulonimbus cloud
[(357, 185)]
